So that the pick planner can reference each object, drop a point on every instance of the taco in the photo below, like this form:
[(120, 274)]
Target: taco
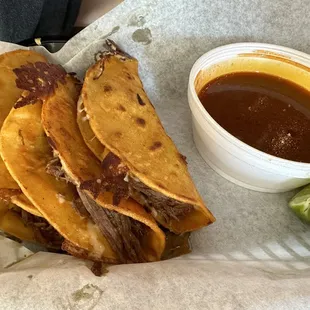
[(18, 216), (131, 234), (120, 125), (26, 153), (9, 94)]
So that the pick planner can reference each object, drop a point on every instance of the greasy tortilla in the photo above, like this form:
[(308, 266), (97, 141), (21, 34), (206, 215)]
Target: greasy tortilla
[(23, 202), (26, 152), (59, 122), (9, 94), (124, 120)]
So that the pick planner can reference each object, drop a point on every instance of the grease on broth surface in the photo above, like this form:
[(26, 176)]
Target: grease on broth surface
[(266, 112)]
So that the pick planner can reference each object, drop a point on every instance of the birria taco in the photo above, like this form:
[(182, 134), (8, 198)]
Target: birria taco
[(118, 191), (131, 231), (120, 125), (57, 181), (26, 153), (19, 218), (9, 94)]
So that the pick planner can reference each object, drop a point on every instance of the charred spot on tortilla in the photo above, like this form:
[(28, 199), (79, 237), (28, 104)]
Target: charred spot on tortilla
[(107, 88), (156, 145), (129, 76), (183, 158), (140, 101), (121, 108), (140, 121), (93, 186), (39, 79), (118, 134)]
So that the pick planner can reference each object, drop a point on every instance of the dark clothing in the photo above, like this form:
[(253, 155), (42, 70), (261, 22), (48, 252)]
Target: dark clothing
[(26, 19)]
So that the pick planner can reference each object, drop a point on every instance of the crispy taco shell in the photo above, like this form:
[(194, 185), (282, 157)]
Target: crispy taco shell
[(124, 120), (12, 222), (26, 153), (82, 167), (18, 58), (23, 202), (98, 149), (9, 94)]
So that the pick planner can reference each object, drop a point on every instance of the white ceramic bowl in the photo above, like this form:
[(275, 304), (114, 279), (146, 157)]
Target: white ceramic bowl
[(230, 157)]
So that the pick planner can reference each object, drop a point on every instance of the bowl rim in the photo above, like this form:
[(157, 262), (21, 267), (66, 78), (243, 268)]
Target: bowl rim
[(252, 47)]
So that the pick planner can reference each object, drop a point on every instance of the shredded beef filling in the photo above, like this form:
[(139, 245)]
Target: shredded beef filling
[(44, 232), (166, 207), (54, 168), (80, 208), (113, 180), (122, 232)]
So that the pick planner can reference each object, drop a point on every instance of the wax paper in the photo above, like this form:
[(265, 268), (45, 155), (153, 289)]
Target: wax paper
[(257, 254)]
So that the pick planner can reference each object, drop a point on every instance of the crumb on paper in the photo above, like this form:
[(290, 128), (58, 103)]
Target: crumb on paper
[(38, 41)]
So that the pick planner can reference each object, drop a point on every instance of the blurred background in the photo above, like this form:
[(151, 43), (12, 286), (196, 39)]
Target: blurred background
[(48, 22), (91, 10)]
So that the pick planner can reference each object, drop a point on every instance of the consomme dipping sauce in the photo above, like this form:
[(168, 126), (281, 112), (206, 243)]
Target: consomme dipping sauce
[(266, 112)]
